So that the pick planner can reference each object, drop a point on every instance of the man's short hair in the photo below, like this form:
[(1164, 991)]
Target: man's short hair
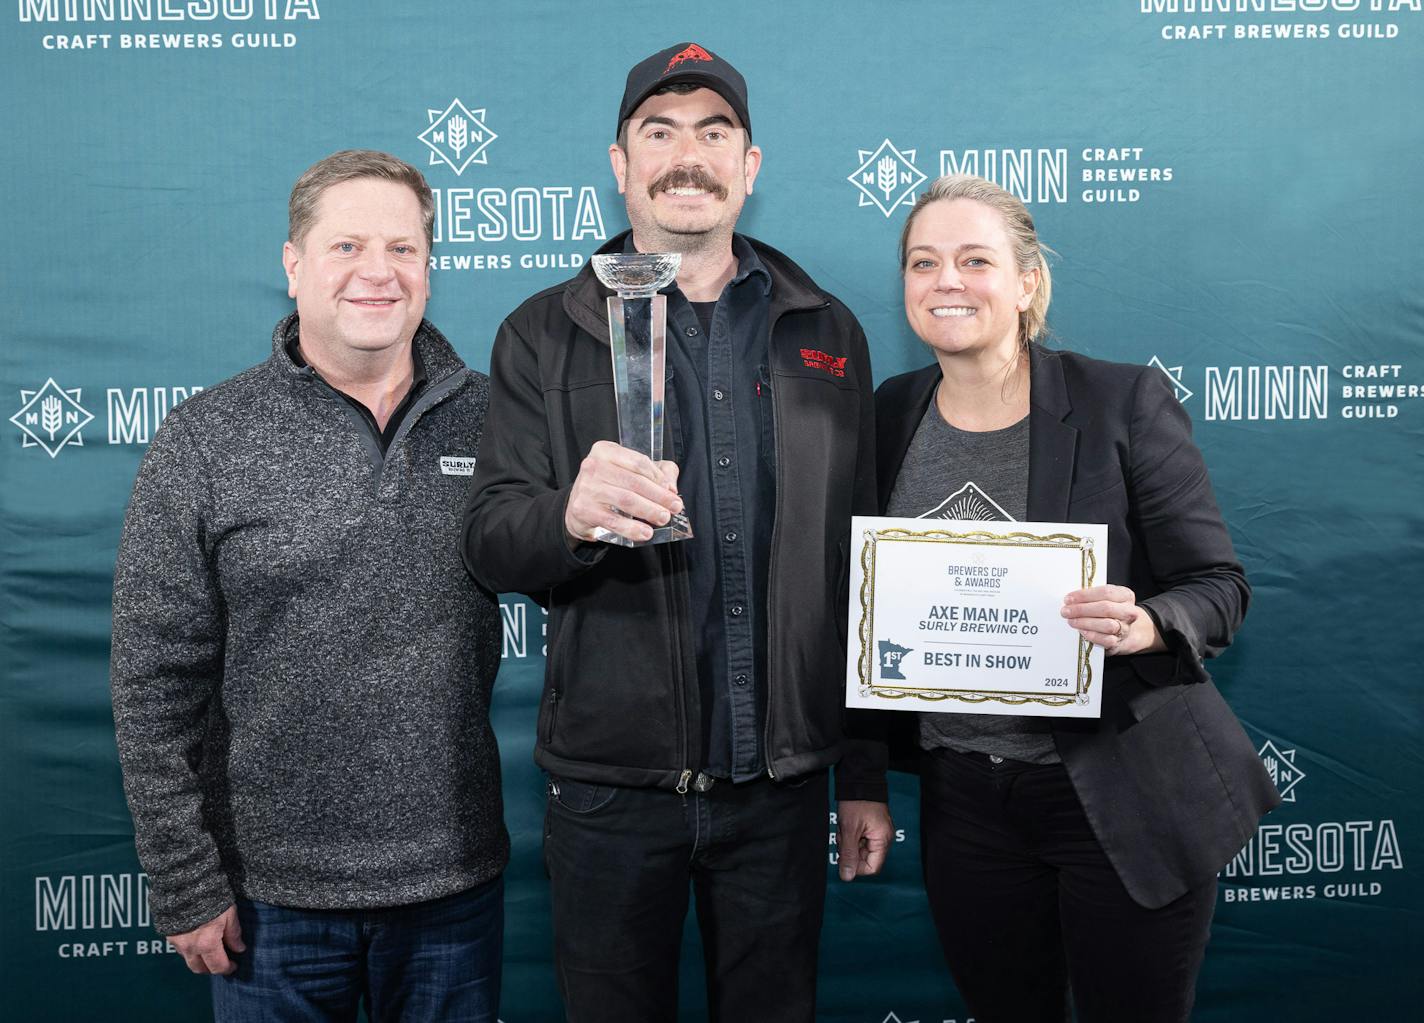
[(348, 165)]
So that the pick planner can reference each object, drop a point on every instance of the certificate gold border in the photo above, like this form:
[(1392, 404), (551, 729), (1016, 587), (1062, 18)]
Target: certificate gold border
[(978, 538)]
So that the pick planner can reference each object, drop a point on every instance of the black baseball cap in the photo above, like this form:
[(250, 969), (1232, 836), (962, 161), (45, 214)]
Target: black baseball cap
[(685, 62)]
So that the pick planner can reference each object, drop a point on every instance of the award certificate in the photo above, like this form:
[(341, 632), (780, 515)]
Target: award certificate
[(964, 617)]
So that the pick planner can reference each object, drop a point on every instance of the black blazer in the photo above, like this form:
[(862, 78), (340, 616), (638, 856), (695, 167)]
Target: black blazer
[(1171, 784)]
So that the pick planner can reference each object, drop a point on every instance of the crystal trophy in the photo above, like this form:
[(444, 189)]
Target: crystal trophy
[(637, 331)]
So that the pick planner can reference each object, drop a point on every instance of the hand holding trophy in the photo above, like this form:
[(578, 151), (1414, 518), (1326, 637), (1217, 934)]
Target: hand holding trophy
[(637, 330)]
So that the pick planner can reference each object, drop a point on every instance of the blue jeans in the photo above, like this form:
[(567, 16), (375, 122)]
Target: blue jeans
[(622, 861), (435, 960)]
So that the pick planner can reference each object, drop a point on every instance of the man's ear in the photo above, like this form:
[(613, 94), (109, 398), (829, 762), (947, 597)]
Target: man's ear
[(751, 165), (619, 159), (291, 256)]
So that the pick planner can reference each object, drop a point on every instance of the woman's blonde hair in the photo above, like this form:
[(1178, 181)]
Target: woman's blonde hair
[(1029, 252)]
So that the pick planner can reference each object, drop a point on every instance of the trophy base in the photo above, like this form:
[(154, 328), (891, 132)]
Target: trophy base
[(677, 529)]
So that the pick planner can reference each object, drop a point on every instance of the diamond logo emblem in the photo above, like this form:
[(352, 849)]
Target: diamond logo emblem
[(51, 417), (887, 177), (1280, 764), (1174, 374), (457, 136)]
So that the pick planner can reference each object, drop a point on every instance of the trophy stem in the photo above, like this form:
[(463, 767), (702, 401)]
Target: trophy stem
[(637, 331)]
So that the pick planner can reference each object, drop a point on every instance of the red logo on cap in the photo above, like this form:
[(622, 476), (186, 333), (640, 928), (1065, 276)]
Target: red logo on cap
[(693, 52)]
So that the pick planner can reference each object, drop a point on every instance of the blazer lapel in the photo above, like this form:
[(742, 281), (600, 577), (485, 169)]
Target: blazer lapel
[(898, 416), (1052, 443)]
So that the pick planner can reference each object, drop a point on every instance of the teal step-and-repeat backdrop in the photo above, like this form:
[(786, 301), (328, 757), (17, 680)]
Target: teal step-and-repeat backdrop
[(1233, 190)]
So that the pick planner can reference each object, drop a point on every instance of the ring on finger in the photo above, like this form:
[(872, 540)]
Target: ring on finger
[(1121, 631)]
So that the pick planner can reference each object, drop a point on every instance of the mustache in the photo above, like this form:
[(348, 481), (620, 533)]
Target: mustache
[(688, 177)]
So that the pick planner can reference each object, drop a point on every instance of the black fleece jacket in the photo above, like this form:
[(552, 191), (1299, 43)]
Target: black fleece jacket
[(621, 702)]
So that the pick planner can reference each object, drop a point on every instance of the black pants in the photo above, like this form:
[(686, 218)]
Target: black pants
[(1027, 905), (620, 862)]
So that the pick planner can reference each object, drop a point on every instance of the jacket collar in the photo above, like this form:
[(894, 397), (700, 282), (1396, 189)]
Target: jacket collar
[(432, 352), (1052, 443), (791, 290)]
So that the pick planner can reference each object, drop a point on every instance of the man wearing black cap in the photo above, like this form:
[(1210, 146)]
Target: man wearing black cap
[(692, 703)]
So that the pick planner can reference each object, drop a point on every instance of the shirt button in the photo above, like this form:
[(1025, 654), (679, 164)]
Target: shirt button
[(717, 395), (730, 537), (724, 461), (741, 680), (691, 331), (736, 610), (995, 760)]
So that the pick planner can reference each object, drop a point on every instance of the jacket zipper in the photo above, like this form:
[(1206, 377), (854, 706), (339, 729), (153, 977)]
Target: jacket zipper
[(434, 395), (775, 537), (667, 556), (771, 555), (553, 716)]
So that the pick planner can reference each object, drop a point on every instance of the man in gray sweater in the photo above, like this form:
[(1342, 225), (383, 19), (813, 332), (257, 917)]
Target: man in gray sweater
[(301, 665)]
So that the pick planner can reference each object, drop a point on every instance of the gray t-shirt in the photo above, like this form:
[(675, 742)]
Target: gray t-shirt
[(950, 473)]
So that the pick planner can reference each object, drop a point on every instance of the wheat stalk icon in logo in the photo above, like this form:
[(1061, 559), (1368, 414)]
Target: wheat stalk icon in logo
[(51, 418), (458, 137), (886, 176)]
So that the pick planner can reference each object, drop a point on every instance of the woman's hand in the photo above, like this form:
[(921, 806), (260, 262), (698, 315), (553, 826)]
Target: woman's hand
[(1109, 616)]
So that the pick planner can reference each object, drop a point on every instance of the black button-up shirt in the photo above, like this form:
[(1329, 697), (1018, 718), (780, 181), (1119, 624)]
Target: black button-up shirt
[(721, 384)]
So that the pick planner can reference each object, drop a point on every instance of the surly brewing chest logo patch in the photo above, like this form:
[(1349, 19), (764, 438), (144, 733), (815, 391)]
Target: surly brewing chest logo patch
[(812, 358)]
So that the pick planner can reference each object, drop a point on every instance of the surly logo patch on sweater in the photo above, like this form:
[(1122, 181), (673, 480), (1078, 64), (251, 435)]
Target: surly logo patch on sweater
[(457, 465)]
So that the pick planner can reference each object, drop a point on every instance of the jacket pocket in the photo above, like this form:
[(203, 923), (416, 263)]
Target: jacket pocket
[(550, 715), (579, 797), (1101, 500), (1144, 705), (1085, 487), (766, 415)]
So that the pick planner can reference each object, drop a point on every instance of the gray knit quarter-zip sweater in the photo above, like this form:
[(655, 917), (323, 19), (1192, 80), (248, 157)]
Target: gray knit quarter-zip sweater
[(301, 666)]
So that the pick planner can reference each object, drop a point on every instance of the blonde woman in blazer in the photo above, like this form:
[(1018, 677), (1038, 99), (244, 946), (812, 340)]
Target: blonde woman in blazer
[(1090, 865)]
